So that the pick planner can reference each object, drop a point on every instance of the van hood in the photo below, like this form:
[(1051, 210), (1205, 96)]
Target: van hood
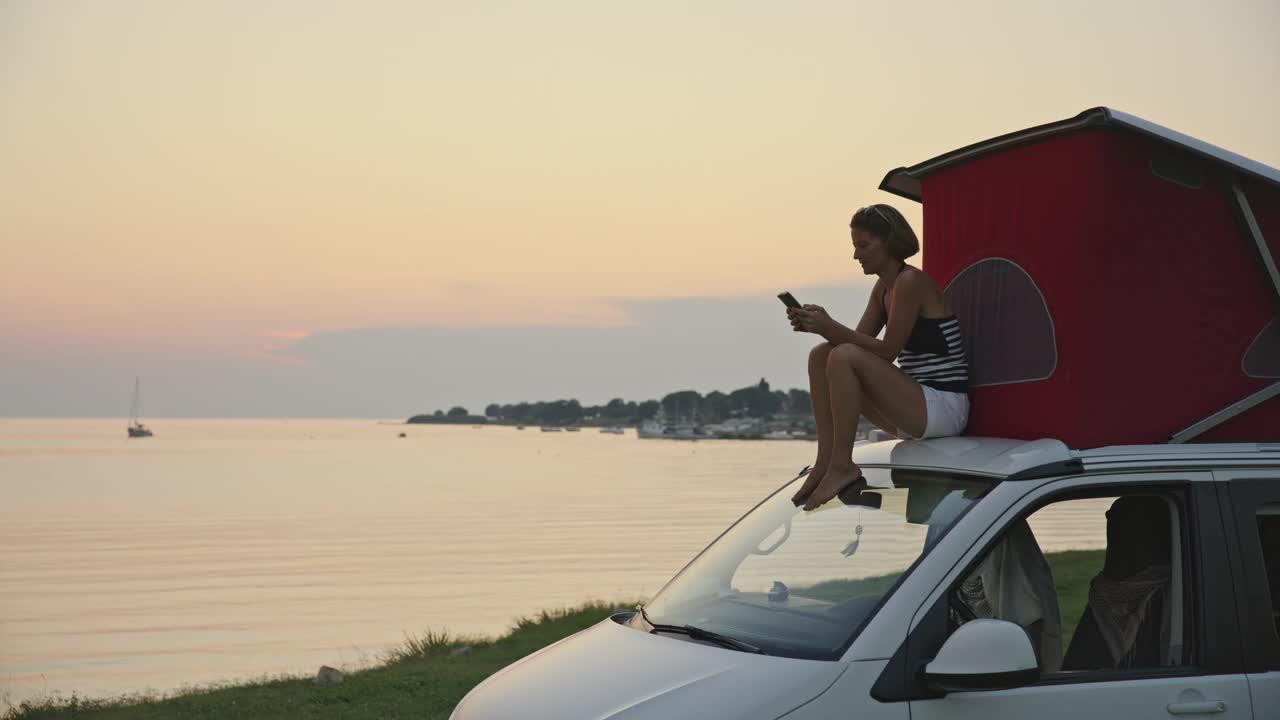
[(614, 672)]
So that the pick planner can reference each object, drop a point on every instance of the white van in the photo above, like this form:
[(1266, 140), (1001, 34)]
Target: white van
[(966, 578)]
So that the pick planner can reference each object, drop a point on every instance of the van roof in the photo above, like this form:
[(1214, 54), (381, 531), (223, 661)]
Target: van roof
[(1003, 457)]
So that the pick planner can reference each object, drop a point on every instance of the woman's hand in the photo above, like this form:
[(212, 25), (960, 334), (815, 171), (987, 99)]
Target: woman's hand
[(810, 318)]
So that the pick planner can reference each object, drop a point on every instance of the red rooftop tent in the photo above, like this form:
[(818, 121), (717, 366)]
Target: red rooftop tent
[(1116, 281)]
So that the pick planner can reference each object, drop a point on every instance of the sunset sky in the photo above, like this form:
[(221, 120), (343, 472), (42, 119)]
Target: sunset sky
[(377, 208)]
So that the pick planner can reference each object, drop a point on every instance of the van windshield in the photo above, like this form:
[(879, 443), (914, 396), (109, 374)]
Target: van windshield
[(802, 584)]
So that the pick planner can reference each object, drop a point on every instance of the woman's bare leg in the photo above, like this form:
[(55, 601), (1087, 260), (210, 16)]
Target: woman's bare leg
[(877, 418), (821, 399), (894, 394), (853, 373)]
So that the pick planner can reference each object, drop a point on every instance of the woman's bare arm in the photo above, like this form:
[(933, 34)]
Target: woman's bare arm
[(874, 316), (908, 295)]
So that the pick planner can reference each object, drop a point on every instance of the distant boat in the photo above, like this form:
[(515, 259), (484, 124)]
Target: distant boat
[(679, 431), (742, 428), (571, 428), (519, 427), (650, 429), (612, 430), (686, 430), (550, 428), (136, 428)]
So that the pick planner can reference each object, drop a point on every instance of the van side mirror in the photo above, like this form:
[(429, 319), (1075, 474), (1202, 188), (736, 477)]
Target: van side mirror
[(984, 655)]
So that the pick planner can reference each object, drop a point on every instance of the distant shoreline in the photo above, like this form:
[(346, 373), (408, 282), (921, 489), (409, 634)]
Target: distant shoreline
[(764, 430), (765, 409)]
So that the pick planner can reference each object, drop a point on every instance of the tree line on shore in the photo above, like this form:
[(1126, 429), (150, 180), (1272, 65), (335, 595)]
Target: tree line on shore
[(757, 401)]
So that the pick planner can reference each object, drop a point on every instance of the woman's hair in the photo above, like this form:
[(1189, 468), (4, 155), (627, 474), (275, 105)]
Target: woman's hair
[(886, 223)]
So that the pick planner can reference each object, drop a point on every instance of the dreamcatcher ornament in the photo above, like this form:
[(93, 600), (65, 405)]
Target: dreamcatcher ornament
[(852, 547)]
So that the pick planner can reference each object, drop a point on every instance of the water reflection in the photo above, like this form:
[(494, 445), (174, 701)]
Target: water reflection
[(224, 549)]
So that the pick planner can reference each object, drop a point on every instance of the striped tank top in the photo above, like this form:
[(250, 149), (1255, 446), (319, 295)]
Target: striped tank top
[(934, 355)]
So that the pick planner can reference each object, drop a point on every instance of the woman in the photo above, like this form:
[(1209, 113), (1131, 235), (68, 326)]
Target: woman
[(926, 394)]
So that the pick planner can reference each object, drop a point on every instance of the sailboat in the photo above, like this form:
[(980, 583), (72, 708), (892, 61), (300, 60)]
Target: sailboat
[(136, 428)]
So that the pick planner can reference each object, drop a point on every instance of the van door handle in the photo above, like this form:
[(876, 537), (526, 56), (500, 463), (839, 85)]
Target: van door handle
[(1197, 708)]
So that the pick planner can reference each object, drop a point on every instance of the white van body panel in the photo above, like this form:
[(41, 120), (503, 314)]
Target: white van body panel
[(1222, 697), (1265, 689), (850, 698), (613, 672)]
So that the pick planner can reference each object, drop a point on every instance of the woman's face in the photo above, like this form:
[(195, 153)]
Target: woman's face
[(871, 252)]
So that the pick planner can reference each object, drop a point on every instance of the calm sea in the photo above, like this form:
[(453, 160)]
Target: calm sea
[(225, 549), (229, 549)]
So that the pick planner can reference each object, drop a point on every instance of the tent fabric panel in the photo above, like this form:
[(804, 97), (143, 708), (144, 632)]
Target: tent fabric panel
[(1262, 360), (1177, 300), (999, 307), (1154, 292), (1194, 302), (1030, 207)]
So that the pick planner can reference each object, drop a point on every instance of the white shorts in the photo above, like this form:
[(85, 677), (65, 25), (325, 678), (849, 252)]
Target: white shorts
[(947, 413)]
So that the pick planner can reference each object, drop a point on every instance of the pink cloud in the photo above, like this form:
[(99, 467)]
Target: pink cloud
[(277, 344)]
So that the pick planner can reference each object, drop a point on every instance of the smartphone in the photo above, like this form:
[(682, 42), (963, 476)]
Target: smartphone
[(789, 300)]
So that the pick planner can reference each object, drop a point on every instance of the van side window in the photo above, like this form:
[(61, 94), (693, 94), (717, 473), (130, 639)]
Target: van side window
[(1096, 583), (1269, 536)]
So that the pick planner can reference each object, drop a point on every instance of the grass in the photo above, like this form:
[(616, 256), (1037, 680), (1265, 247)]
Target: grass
[(1072, 571), (421, 679)]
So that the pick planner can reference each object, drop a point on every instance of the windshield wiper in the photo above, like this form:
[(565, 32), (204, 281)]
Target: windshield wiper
[(698, 633)]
